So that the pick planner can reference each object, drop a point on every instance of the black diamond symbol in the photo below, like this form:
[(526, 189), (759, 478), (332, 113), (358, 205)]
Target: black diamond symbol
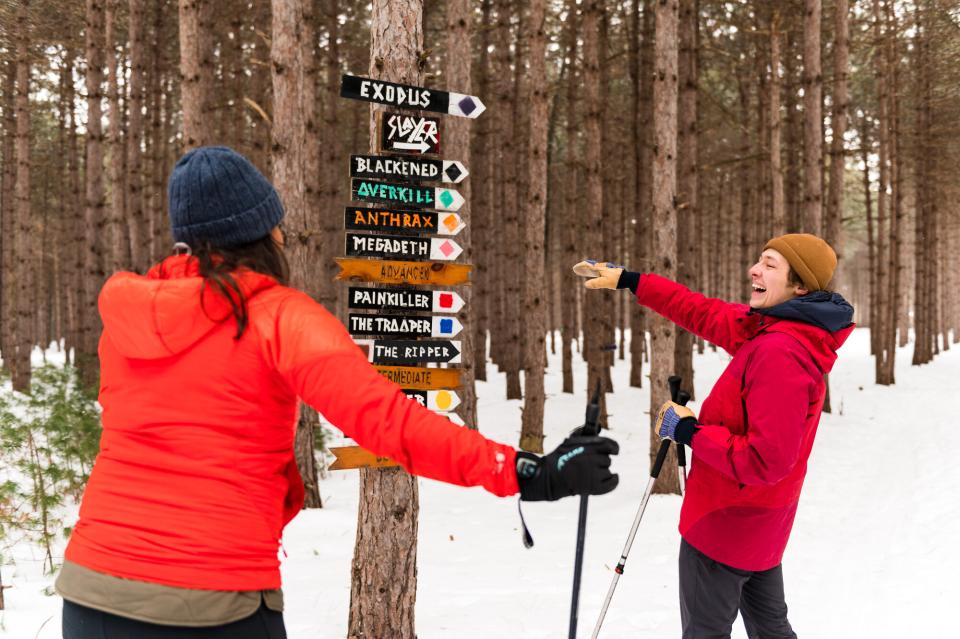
[(467, 105), (452, 172)]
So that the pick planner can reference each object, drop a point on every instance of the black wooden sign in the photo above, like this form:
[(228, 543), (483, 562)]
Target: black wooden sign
[(414, 248), (407, 195), (404, 325), (405, 96), (406, 169), (367, 219), (401, 133), (409, 352), (404, 299)]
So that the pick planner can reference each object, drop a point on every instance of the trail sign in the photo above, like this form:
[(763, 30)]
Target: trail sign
[(368, 219), (456, 419), (348, 457), (403, 325), (436, 400), (401, 246), (405, 352), (407, 299), (401, 133), (415, 378), (410, 97), (407, 169), (397, 272), (407, 195)]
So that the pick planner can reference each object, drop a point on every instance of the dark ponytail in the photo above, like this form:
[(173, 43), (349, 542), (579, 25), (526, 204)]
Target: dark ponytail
[(219, 265)]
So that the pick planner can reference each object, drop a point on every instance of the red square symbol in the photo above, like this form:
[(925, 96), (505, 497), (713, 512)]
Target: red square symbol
[(446, 300)]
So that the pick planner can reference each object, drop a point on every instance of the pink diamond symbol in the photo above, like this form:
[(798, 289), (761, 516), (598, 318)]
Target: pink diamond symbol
[(446, 248)]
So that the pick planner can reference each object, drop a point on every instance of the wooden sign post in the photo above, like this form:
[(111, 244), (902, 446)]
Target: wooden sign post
[(404, 325), (394, 272), (400, 133), (359, 245), (385, 167), (406, 352), (367, 219), (406, 299), (407, 195)]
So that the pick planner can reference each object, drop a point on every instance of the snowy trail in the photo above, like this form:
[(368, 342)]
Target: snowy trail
[(872, 552)]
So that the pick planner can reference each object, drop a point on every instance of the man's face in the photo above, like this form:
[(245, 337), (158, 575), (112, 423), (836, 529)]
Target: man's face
[(768, 279)]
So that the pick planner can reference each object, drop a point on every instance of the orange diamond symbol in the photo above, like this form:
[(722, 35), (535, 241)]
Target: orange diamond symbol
[(451, 222)]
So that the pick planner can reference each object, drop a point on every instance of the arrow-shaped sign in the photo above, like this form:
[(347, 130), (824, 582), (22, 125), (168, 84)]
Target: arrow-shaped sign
[(409, 169), (410, 97), (400, 246), (406, 299), (405, 352), (407, 195), (348, 457), (404, 325), (441, 401), (456, 419), (368, 219), (413, 133), (394, 272), (416, 378)]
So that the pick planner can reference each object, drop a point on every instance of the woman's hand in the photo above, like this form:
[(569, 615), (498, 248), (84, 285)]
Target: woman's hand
[(601, 274)]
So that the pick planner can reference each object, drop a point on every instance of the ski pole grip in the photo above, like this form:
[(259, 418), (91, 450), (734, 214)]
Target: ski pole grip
[(673, 383), (661, 456), (683, 397), (681, 455)]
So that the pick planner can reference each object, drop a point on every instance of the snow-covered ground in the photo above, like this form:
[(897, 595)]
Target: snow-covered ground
[(872, 553)]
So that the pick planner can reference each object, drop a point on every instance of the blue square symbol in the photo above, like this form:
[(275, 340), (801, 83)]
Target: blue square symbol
[(446, 326)]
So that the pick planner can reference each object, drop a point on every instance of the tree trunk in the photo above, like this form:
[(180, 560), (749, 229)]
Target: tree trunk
[(663, 333), (137, 222), (196, 72), (94, 204), (384, 580), (8, 280), (838, 124), (334, 173), (778, 208), (535, 211), (688, 175), (117, 250), (813, 119), (482, 195), (569, 283), (22, 250)]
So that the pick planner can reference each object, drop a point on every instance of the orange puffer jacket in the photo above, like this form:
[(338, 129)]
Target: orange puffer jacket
[(196, 479)]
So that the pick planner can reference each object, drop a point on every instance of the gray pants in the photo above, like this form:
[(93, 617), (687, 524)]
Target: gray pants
[(711, 593)]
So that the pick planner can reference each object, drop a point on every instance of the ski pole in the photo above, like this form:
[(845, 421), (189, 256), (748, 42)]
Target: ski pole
[(674, 383), (682, 398), (591, 427)]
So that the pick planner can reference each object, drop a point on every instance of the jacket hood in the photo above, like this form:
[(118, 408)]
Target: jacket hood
[(821, 320), (169, 309)]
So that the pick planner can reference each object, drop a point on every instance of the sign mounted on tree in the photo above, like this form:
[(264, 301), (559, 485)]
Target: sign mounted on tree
[(410, 97), (407, 195), (441, 401), (415, 378), (404, 325), (404, 352), (401, 133), (394, 272), (367, 219), (409, 169), (407, 299), (401, 246), (348, 457)]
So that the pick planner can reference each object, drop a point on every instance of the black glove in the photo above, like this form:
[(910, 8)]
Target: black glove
[(578, 466)]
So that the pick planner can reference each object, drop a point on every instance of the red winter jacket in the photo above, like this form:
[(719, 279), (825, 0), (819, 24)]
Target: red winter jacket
[(196, 479), (756, 428)]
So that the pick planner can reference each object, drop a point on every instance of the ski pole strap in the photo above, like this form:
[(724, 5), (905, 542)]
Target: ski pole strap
[(525, 532), (661, 456)]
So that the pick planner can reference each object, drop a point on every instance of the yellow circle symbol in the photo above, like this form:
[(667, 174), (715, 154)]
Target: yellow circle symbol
[(444, 400)]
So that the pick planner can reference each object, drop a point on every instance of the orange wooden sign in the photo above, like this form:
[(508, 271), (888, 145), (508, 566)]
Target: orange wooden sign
[(415, 378), (394, 272), (356, 457)]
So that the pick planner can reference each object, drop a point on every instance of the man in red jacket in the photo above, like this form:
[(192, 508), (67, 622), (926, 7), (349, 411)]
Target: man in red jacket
[(755, 431)]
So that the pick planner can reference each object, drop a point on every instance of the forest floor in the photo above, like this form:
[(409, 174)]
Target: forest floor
[(873, 551)]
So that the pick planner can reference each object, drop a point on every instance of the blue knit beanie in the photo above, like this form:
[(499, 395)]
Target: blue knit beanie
[(216, 194)]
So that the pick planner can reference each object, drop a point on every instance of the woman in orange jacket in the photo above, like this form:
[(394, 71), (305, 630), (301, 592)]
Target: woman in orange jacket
[(203, 364)]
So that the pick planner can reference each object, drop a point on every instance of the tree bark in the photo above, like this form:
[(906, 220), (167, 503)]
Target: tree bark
[(531, 434), (196, 72), (813, 119), (663, 333), (137, 223), (8, 280), (384, 580), (569, 284), (482, 198), (778, 203), (117, 250)]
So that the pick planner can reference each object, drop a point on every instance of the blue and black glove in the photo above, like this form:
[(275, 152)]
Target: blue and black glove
[(578, 466), (676, 422)]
